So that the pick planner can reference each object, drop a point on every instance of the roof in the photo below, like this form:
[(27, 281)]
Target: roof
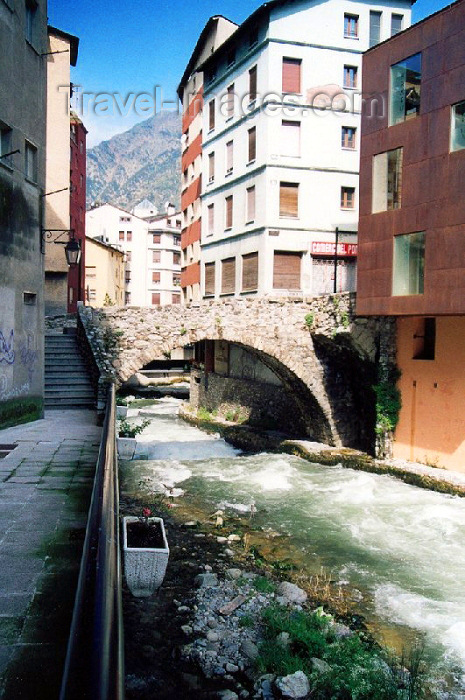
[(104, 245), (198, 48), (73, 42), (115, 206)]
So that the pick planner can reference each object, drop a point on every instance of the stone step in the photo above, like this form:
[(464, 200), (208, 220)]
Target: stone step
[(52, 404), (72, 391), (74, 378)]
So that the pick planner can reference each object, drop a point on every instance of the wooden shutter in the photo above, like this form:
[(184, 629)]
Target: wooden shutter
[(229, 211), (286, 270), (290, 142), (228, 276), (156, 256), (230, 101), (252, 143), (253, 83), (211, 114), (156, 298), (229, 157), (211, 218), (250, 204), (291, 74), (155, 277), (175, 298), (288, 199), (211, 167), (250, 272), (156, 238), (209, 279)]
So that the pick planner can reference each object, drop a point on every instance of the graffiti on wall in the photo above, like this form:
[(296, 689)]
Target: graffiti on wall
[(7, 353), (25, 356)]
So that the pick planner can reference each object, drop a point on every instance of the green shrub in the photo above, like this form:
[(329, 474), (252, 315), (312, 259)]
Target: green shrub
[(388, 402), (264, 585), (309, 319), (130, 430)]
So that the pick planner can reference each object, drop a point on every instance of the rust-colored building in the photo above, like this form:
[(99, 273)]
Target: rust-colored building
[(190, 92), (411, 261), (77, 209)]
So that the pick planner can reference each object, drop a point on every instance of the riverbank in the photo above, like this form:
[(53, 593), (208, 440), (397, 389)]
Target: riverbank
[(251, 439)]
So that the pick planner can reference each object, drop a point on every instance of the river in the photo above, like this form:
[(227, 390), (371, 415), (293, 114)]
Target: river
[(399, 547)]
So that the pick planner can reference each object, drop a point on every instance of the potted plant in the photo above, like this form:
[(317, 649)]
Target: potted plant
[(121, 407), (126, 441), (145, 553)]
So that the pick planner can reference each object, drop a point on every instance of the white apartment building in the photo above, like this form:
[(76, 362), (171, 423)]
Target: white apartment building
[(152, 247), (281, 135)]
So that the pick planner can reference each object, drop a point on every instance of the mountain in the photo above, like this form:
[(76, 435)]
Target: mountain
[(143, 162)]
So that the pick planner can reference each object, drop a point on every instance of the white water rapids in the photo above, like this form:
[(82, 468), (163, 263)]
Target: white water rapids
[(402, 546)]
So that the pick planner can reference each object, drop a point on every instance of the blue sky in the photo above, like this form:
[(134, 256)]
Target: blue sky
[(132, 51)]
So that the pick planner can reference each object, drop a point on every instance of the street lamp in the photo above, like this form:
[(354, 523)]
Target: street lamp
[(72, 246), (73, 252)]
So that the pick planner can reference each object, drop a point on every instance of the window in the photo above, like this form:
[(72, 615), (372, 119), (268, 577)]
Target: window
[(396, 24), (252, 144), (286, 270), (5, 144), (457, 132), (177, 240), (250, 214), (351, 26), (176, 280), (229, 157), (375, 27), (211, 219), (211, 115), (409, 264), (387, 180), (249, 272), (405, 89), (175, 298), (350, 77), (210, 279), (228, 276), (156, 298), (211, 167), (31, 162), (156, 238), (253, 84), (291, 74), (156, 256), (129, 236), (290, 139), (347, 197), (348, 137), (127, 297), (230, 101), (176, 258), (424, 339), (288, 199), (31, 15), (228, 202), (128, 256), (155, 277)]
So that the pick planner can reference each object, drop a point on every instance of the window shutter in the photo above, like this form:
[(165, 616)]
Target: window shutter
[(211, 114), (229, 211), (250, 272), (211, 218), (156, 256), (250, 203), (253, 83), (211, 167), (156, 298), (155, 277), (291, 74), (286, 270), (229, 157), (290, 141), (252, 143), (288, 199), (230, 101), (209, 279), (228, 276)]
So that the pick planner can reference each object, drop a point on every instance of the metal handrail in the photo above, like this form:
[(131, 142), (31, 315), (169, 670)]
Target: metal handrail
[(94, 666)]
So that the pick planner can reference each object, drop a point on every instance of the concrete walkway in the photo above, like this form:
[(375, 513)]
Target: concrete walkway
[(45, 488)]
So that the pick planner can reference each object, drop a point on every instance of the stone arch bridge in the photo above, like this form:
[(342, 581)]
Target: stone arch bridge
[(324, 356)]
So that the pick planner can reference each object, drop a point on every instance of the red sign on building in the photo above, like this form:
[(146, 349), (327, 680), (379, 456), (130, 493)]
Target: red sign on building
[(344, 250)]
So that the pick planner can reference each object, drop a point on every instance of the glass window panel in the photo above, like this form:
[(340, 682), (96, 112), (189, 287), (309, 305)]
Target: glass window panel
[(409, 264), (458, 127), (405, 89)]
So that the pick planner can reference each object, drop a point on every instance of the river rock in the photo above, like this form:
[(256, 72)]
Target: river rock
[(207, 580), (191, 523), (233, 574), (231, 668), (249, 649), (341, 631), (234, 538), (221, 540), (294, 686), (228, 695), (283, 639), (291, 593), (320, 666), (212, 636)]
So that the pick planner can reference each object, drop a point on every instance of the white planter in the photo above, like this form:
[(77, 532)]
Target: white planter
[(144, 568), (126, 447), (121, 412)]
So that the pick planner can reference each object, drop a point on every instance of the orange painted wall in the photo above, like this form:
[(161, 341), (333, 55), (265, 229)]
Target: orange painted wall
[(432, 419)]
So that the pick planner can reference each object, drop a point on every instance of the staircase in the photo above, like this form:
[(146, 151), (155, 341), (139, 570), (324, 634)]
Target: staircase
[(67, 383)]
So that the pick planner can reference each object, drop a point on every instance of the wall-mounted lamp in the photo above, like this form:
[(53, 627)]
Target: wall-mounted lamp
[(72, 246)]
